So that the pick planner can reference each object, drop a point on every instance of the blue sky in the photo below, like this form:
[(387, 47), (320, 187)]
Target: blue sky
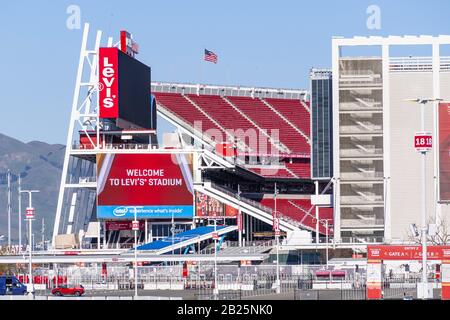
[(259, 43)]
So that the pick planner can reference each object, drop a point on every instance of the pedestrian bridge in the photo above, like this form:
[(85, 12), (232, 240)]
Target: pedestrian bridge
[(185, 239)]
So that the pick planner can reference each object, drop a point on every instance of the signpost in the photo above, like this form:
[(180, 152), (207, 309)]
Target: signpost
[(29, 215)]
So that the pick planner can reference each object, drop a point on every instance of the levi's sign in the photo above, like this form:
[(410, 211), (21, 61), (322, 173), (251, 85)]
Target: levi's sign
[(108, 83)]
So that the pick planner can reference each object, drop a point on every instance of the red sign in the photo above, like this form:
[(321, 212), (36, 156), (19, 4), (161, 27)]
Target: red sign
[(122, 225), (275, 222), (407, 252), (71, 253), (444, 151), (30, 213), (423, 141), (226, 149), (215, 235), (135, 225), (127, 45), (161, 184), (277, 233), (239, 221), (108, 83)]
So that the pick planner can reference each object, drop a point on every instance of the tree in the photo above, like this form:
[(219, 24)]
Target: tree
[(442, 236)]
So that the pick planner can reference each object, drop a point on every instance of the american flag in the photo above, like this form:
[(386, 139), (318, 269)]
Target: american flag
[(210, 56)]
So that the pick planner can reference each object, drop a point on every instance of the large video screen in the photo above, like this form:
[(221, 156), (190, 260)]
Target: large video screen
[(160, 185), (134, 91), (444, 151)]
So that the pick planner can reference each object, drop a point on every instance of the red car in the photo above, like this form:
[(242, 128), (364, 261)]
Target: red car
[(64, 290)]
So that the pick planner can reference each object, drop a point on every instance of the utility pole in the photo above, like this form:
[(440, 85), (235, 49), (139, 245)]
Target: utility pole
[(19, 190), (9, 207), (43, 233), (216, 288), (277, 237), (239, 217), (135, 228)]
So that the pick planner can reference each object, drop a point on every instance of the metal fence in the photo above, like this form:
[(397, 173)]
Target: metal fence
[(298, 282)]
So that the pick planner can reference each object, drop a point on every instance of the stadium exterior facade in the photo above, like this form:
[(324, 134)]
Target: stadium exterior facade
[(377, 170)]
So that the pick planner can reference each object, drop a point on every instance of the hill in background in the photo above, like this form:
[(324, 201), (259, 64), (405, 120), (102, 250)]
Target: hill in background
[(40, 166)]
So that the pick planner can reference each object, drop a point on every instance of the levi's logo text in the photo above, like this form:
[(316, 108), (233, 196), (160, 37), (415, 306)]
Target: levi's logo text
[(108, 82), (108, 77)]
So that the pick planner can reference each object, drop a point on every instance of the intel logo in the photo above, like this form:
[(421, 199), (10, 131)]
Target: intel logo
[(120, 212)]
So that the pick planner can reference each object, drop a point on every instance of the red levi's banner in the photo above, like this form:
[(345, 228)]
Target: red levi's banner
[(407, 252), (108, 83), (444, 151)]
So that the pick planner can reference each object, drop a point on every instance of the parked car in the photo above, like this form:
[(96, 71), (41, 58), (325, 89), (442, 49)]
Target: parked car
[(10, 285), (65, 290)]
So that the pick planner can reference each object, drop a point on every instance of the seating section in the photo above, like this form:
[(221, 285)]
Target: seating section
[(301, 169), (297, 209), (294, 111), (268, 120), (231, 120), (272, 173), (179, 105)]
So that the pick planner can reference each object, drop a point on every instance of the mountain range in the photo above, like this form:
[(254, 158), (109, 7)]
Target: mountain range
[(39, 165)]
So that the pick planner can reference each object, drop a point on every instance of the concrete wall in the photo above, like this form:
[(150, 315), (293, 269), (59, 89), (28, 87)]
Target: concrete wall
[(406, 166)]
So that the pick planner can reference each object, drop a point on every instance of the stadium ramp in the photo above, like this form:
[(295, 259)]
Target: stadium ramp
[(250, 207), (185, 239)]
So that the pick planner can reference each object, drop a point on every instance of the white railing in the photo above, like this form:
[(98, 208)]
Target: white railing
[(361, 175), (360, 129), (361, 153), (417, 64)]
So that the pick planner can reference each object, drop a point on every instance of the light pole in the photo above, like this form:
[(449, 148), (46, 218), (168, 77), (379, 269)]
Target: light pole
[(277, 238), (172, 229), (20, 213), (135, 228), (9, 209), (216, 289), (30, 217), (423, 148), (326, 239), (239, 216)]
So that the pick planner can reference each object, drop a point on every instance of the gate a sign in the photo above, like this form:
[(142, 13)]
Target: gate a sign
[(377, 254)]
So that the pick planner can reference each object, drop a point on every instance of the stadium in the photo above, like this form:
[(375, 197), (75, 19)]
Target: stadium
[(262, 179)]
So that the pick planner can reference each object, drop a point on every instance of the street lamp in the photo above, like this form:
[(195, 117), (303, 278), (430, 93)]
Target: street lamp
[(215, 235), (30, 217), (277, 237), (135, 225), (325, 224), (423, 148)]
